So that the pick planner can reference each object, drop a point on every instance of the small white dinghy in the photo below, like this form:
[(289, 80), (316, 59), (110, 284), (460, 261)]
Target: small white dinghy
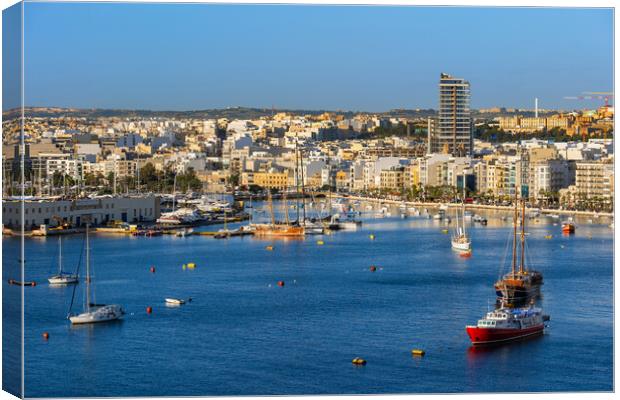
[(172, 300)]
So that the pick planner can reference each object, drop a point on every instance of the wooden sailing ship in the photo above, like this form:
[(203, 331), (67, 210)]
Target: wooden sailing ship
[(521, 284)]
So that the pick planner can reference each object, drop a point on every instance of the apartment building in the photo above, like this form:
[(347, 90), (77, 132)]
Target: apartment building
[(453, 133)]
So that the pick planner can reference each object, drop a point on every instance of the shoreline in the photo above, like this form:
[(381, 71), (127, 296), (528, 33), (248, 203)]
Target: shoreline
[(474, 206)]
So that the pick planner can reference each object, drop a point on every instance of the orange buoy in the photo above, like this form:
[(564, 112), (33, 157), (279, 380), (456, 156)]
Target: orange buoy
[(152, 269), (46, 335), (149, 310), (280, 283), (373, 268)]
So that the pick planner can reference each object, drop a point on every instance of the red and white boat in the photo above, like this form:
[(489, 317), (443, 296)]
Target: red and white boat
[(506, 324), (568, 227)]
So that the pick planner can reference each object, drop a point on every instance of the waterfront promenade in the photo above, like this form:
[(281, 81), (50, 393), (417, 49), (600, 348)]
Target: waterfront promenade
[(471, 206)]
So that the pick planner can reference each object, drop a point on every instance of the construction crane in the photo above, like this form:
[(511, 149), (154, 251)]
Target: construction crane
[(592, 96)]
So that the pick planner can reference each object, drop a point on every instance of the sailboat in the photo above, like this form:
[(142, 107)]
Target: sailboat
[(460, 240), (277, 229), (520, 284), (62, 278), (94, 313)]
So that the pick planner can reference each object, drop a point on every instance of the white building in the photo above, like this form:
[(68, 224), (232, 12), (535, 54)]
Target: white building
[(99, 210)]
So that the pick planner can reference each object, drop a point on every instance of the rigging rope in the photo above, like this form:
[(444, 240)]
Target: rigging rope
[(77, 272)]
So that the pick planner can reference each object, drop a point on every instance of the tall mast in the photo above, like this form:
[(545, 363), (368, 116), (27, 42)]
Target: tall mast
[(87, 270), (40, 175), (285, 202), (174, 190), (303, 187), (514, 241), (273, 217), (297, 178), (114, 176), (463, 202), (251, 210), (458, 231), (138, 174), (59, 254), (522, 266)]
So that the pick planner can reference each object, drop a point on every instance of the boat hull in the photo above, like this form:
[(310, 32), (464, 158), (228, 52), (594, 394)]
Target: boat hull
[(461, 246), (517, 295), (284, 231), (482, 336), (568, 229), (101, 314), (63, 279)]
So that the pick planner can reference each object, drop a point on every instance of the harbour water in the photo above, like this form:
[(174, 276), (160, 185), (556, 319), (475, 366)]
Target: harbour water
[(244, 335)]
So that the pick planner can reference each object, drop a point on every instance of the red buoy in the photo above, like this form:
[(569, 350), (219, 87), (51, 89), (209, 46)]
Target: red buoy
[(152, 269), (373, 268), (34, 284), (149, 309), (46, 335), (280, 283)]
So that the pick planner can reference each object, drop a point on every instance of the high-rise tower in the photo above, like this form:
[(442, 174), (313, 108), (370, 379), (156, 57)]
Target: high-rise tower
[(453, 132)]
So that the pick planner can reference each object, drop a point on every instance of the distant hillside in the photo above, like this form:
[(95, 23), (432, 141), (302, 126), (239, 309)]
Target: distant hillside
[(230, 113)]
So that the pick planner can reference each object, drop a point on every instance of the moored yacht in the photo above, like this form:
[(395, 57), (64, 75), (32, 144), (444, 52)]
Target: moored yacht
[(62, 278), (460, 240), (94, 313)]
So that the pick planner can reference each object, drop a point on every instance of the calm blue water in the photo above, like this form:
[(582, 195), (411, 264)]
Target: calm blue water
[(244, 335)]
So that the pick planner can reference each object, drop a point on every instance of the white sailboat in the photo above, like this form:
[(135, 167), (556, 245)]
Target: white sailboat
[(95, 312), (62, 278), (460, 240)]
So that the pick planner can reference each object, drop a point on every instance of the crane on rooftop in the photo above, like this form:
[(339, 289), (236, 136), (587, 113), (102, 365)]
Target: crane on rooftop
[(592, 96)]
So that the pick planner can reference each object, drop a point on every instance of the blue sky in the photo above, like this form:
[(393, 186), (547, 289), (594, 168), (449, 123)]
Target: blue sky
[(193, 56)]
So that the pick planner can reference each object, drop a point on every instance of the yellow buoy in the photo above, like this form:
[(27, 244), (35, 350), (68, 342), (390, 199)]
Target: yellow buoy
[(418, 352), (359, 361), (548, 236), (270, 248), (320, 242), (183, 266), (371, 236), (444, 231), (191, 265)]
